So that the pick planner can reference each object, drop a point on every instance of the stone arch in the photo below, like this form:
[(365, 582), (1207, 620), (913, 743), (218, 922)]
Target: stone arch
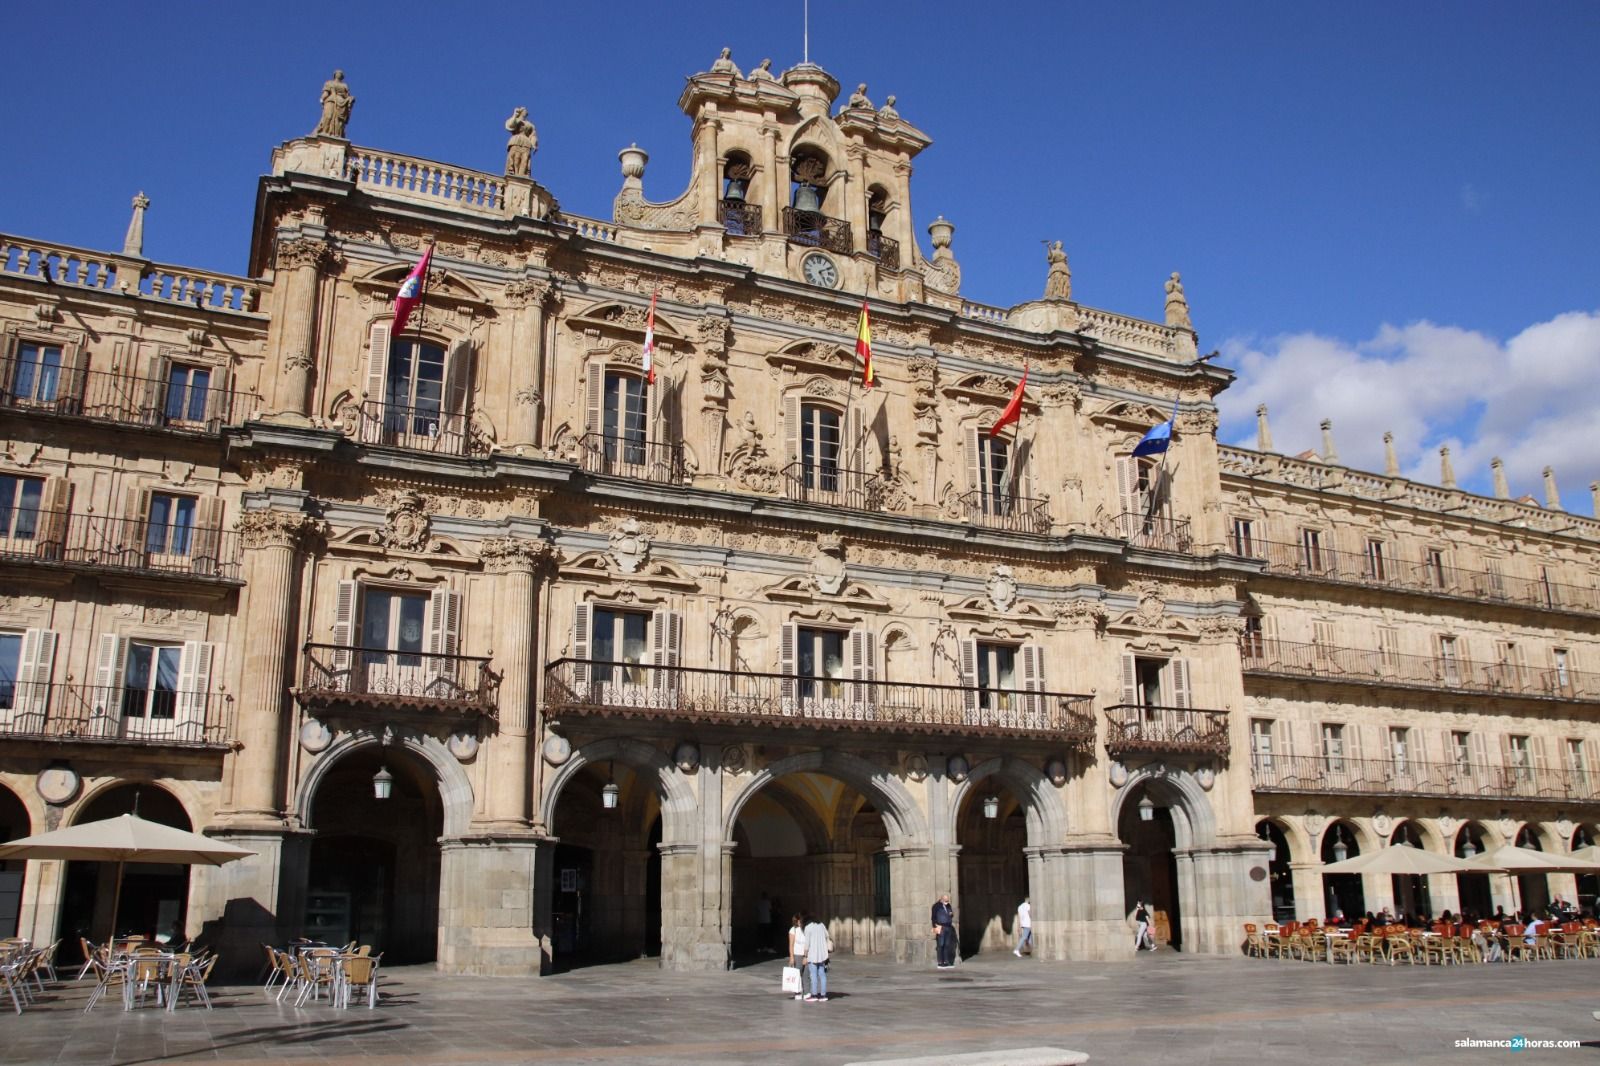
[(818, 835), (1043, 810), (1549, 840), (455, 790), (678, 804), (1193, 818), (181, 791), (1427, 834), (9, 794), (1491, 836), (1587, 831), (904, 820), (1361, 831), (1295, 834)]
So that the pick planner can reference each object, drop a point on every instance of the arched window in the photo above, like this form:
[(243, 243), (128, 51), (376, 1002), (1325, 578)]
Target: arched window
[(413, 393), (739, 217), (736, 177), (626, 432), (808, 174), (822, 443), (887, 249)]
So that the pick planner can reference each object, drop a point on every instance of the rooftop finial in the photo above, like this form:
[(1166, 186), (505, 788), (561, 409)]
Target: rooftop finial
[(1391, 462), (1594, 497), (1552, 498), (1263, 431), (1177, 304), (1330, 454), (1502, 490), (133, 243), (1447, 469)]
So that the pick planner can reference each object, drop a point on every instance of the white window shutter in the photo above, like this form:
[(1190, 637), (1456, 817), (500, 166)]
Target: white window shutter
[(33, 677), (1130, 680), (974, 459), (194, 690), (1284, 728), (1480, 749), (204, 555), (791, 428), (969, 676), (1180, 683), (788, 641), (378, 343), (344, 631), (594, 401), (110, 670), (155, 390), (458, 376), (444, 632), (582, 633), (863, 665), (1032, 678), (55, 503)]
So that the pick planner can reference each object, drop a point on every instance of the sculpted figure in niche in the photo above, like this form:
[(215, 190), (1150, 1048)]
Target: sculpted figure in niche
[(523, 143), (1058, 284), (336, 106), (748, 461)]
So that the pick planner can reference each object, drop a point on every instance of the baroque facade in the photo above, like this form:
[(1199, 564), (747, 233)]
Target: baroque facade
[(497, 655)]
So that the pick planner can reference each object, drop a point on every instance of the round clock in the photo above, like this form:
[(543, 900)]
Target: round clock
[(819, 270)]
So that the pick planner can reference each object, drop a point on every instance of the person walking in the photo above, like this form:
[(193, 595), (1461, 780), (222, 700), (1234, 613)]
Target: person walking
[(1141, 936), (797, 948), (1024, 927), (944, 928), (764, 924), (819, 947)]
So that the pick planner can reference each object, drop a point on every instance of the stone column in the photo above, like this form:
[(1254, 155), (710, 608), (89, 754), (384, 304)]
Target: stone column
[(710, 171), (712, 342), (295, 324), (527, 297), (514, 562), (1077, 898), (855, 195), (1217, 895), (911, 896), (1443, 894), (777, 188), (1310, 896), (262, 899), (1377, 890), (494, 913)]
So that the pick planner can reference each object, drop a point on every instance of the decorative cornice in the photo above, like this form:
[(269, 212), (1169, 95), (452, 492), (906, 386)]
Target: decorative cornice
[(278, 529), (505, 555), (303, 251)]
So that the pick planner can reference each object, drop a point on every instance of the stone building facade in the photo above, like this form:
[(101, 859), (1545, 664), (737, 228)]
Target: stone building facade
[(497, 654)]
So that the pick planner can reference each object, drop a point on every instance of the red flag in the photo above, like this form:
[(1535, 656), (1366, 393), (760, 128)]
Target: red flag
[(864, 347), (411, 291), (650, 342), (1013, 409)]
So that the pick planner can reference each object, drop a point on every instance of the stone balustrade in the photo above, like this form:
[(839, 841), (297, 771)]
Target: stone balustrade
[(1134, 334), (78, 268), (408, 178), (984, 312), (589, 228)]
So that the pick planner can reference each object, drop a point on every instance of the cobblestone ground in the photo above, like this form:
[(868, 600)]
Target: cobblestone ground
[(1164, 1008)]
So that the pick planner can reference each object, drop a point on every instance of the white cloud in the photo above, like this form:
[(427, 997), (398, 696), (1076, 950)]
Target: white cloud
[(1533, 400), (1472, 200)]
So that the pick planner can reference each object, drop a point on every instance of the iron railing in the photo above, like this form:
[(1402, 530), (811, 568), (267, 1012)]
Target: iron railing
[(112, 715), (1410, 777), (739, 218), (416, 429), (1326, 662), (687, 693), (832, 486), (1000, 510), (816, 230), (343, 674), (632, 457), (1142, 730), (125, 399), (1431, 577), (99, 542), (885, 249), (1153, 531)]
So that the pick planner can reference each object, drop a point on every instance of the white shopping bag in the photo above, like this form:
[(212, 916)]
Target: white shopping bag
[(791, 979)]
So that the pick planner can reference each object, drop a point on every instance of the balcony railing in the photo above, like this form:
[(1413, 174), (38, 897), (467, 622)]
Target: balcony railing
[(61, 538), (739, 218), (416, 429), (383, 677), (108, 715), (885, 249), (832, 486), (816, 230), (1325, 662), (1139, 730), (73, 392), (1409, 575), (1155, 532), (999, 510), (633, 457), (1408, 777), (697, 694)]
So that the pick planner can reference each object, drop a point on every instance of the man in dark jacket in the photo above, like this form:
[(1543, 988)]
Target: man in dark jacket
[(944, 927)]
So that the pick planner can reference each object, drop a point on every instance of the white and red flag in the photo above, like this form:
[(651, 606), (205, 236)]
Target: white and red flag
[(650, 342), (411, 292)]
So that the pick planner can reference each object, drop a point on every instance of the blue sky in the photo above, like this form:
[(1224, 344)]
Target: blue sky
[(1400, 188)]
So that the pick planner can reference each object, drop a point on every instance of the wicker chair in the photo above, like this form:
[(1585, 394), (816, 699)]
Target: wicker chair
[(1401, 947), (357, 971)]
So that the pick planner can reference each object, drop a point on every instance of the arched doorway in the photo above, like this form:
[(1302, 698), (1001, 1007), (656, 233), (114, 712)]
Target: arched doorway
[(1533, 890), (1149, 865), (1281, 873), (14, 824), (1410, 890), (374, 871), (810, 843), (1588, 885), (1344, 892), (155, 896), (1477, 898), (991, 828)]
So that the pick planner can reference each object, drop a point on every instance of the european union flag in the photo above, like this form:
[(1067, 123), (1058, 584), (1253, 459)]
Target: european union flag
[(1158, 437)]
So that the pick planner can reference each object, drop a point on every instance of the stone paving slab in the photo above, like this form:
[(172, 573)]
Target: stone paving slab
[(1163, 1009)]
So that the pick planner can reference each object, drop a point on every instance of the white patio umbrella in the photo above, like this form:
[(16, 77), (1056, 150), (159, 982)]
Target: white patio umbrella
[(1591, 853), (1400, 859), (1511, 859), (124, 839)]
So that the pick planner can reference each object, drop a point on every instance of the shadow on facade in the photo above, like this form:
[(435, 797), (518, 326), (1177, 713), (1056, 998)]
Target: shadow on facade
[(992, 830)]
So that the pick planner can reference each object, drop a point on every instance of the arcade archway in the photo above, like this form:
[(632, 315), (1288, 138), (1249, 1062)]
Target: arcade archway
[(1150, 864), (1474, 890), (1281, 873), (155, 896), (14, 824), (991, 827), (1344, 892)]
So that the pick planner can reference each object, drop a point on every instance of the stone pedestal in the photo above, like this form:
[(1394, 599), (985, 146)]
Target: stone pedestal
[(494, 905), (1077, 898), (1217, 895), (695, 906), (237, 907)]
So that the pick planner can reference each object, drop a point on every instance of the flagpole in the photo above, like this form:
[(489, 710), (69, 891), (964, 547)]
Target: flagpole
[(1161, 471)]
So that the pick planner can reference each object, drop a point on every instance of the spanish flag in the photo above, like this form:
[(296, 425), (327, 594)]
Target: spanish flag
[(864, 348)]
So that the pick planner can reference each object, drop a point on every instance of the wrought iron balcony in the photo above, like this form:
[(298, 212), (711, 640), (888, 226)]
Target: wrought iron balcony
[(633, 457), (588, 687), (98, 542), (885, 249), (1158, 533), (739, 218), (416, 429), (180, 406), (94, 714), (1140, 730), (1281, 658), (1407, 777), (1317, 563), (813, 229), (999, 510), (341, 675), (832, 486)]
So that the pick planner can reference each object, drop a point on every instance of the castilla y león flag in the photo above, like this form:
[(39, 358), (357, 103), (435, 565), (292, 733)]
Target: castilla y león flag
[(864, 348), (650, 342), (410, 293), (1013, 409)]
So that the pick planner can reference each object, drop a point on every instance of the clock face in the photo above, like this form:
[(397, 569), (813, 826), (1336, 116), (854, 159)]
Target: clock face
[(819, 270)]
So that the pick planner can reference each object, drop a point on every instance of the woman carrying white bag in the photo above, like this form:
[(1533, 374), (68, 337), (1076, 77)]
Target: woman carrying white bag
[(797, 957)]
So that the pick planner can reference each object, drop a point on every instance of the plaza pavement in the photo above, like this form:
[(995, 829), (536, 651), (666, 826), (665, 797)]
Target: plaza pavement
[(1165, 1009)]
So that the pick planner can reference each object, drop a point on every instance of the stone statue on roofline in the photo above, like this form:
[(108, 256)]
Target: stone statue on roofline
[(887, 111), (859, 98), (763, 72), (724, 64), (523, 143), (337, 103), (1177, 304), (1058, 283)]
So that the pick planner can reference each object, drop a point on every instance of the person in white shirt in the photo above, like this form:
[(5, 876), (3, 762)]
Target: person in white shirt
[(797, 948), (819, 945), (1024, 927)]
